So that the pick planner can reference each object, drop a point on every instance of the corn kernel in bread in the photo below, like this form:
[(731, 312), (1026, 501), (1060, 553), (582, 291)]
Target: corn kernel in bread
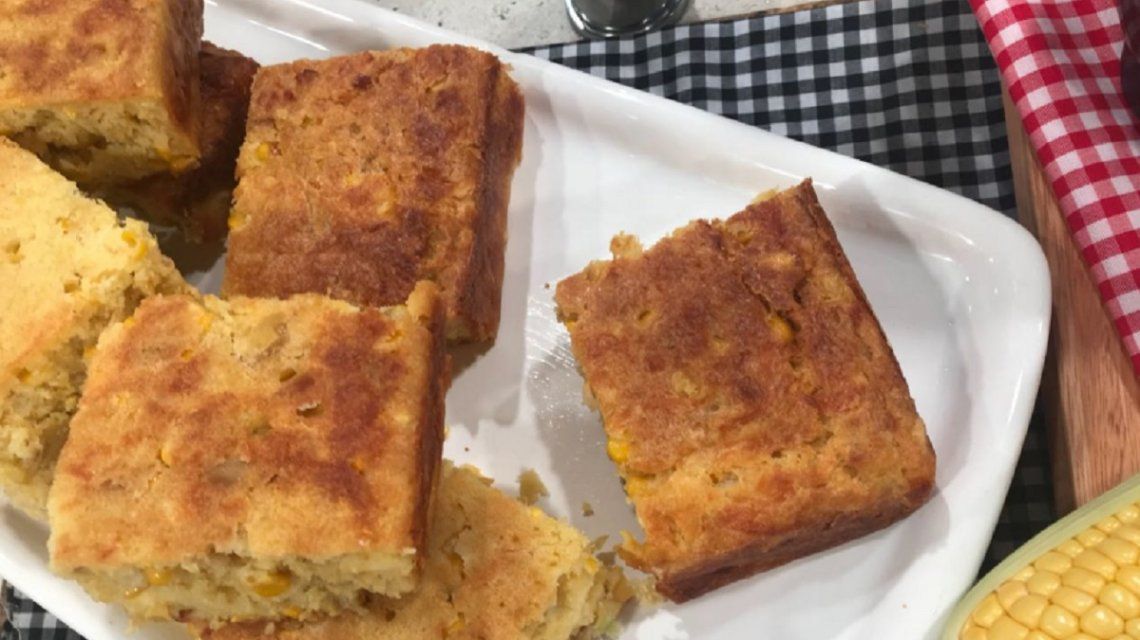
[(253, 458), (103, 90), (68, 268), (363, 174), (198, 201), (496, 570), (753, 406)]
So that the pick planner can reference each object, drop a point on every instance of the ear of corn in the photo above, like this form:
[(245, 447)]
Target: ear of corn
[(1078, 579)]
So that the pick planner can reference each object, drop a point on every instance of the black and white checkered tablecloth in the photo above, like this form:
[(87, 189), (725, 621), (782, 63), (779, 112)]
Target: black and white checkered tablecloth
[(908, 85)]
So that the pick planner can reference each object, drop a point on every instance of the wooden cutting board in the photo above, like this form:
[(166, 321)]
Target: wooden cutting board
[(1091, 396)]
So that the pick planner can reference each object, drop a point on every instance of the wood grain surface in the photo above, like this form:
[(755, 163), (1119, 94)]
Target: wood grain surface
[(1092, 399)]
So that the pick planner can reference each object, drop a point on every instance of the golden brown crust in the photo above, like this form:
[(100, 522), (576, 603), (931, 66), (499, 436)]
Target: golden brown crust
[(259, 427), (415, 187), (198, 200), (728, 568), (429, 450), (750, 396), (183, 42)]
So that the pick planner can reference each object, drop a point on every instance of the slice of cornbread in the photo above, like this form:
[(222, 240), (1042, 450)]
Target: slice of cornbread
[(363, 174), (198, 201), (496, 570), (753, 406), (68, 268), (104, 90), (253, 458)]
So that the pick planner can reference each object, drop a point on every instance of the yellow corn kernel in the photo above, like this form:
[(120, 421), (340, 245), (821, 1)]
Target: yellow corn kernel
[(1072, 599), (1127, 532), (1083, 579), (1119, 551), (158, 577), (132, 240), (618, 450), (1028, 609), (64, 224), (988, 610), (1058, 622), (1120, 600), (1043, 583), (1009, 592), (1037, 635), (263, 151), (1129, 578), (592, 564), (166, 455), (1006, 628), (1101, 622), (1070, 547), (972, 632), (1024, 574), (291, 612), (272, 584), (236, 220), (1096, 562), (780, 328), (1128, 514), (1054, 561), (635, 486), (1090, 537), (1108, 525)]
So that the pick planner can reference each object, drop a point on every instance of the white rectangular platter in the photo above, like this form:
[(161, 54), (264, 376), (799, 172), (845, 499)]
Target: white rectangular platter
[(962, 292)]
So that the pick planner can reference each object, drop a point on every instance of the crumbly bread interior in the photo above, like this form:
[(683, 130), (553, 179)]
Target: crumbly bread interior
[(94, 141), (197, 201), (70, 267), (496, 570), (233, 586)]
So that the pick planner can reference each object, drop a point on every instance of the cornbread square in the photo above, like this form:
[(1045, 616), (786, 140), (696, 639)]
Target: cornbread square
[(198, 201), (253, 458), (752, 404), (69, 267), (362, 174), (496, 570), (102, 91)]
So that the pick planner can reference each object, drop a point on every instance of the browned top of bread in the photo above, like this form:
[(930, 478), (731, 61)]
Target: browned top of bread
[(264, 428), (198, 200), (496, 570), (362, 174), (749, 394), (62, 52)]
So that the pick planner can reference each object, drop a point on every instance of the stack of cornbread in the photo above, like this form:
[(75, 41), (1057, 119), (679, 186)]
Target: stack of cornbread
[(268, 463)]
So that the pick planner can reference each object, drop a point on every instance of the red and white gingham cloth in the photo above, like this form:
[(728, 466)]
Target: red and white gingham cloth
[(1060, 60)]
